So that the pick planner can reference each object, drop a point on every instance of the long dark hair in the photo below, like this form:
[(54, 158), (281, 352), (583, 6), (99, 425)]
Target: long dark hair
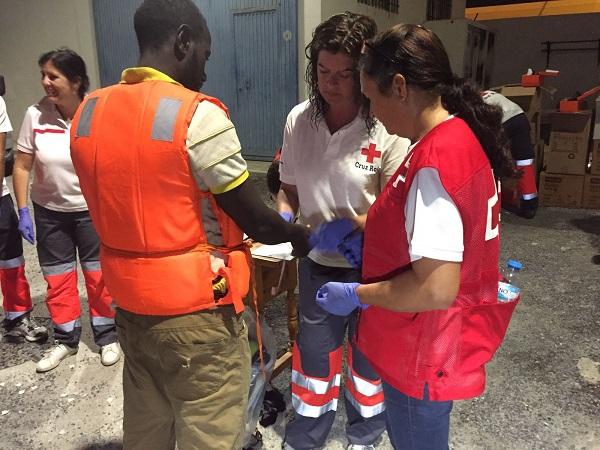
[(344, 33), (419, 55), (70, 64)]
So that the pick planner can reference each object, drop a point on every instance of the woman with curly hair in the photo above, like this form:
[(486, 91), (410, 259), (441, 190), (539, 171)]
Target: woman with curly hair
[(334, 162)]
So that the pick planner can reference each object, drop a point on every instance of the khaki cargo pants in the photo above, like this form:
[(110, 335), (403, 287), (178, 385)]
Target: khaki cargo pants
[(185, 380)]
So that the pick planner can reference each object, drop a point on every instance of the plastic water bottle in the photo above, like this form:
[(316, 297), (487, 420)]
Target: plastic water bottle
[(508, 288)]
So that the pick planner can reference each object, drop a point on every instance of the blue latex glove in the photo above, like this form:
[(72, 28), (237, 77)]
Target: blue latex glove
[(26, 225), (339, 298), (288, 216), (351, 247), (329, 236)]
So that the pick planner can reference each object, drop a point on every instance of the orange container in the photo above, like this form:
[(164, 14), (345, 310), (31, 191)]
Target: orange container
[(570, 105), (534, 80)]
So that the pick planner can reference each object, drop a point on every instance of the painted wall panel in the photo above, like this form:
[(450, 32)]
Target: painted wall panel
[(117, 47), (518, 47), (32, 27), (252, 68)]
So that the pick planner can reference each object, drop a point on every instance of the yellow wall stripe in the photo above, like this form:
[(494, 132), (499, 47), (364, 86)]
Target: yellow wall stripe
[(535, 9)]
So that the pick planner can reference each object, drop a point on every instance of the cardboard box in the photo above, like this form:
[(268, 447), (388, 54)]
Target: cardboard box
[(539, 156), (561, 190), (591, 192), (569, 143), (596, 128), (528, 98), (595, 157)]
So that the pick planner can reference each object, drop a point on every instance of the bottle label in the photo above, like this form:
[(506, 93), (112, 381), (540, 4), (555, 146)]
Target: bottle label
[(507, 292)]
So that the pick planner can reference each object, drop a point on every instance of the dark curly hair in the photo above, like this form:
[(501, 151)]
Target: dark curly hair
[(419, 55), (70, 64), (344, 33)]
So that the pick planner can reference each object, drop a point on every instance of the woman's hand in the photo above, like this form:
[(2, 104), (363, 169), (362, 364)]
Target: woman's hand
[(339, 298), (26, 225)]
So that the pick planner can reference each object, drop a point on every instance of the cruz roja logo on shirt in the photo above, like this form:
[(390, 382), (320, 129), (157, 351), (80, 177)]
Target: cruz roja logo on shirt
[(371, 153)]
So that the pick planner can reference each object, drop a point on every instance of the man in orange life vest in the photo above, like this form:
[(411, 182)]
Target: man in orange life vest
[(161, 169)]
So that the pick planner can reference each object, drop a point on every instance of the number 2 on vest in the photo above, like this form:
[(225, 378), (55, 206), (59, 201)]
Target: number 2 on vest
[(493, 216)]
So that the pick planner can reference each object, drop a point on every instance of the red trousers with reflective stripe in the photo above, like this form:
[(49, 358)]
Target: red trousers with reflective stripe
[(15, 289), (317, 369), (526, 184), (518, 132), (62, 236)]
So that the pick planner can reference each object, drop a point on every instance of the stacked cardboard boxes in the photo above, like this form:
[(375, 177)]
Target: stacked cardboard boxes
[(566, 159), (591, 186)]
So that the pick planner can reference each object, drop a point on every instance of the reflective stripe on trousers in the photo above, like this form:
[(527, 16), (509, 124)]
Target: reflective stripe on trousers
[(365, 395), (312, 396)]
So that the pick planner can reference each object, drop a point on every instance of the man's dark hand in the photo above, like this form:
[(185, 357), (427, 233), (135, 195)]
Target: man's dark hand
[(261, 223), (300, 240)]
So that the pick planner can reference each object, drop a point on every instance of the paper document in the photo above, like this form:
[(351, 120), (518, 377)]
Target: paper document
[(278, 251)]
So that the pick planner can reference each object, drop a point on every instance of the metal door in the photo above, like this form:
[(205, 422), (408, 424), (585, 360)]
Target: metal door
[(252, 69), (115, 38), (266, 86)]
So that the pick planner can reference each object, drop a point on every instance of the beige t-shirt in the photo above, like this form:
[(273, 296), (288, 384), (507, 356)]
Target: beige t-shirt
[(214, 150)]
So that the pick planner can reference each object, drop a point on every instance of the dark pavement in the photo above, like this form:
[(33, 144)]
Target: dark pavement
[(543, 386)]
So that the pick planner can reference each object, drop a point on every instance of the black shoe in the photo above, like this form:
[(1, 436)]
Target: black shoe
[(528, 208), (273, 404), (24, 327)]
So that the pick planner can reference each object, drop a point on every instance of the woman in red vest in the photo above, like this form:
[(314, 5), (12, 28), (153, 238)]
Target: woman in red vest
[(430, 318)]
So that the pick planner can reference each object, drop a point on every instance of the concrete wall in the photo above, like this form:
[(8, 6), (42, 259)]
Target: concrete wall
[(453, 34), (383, 18), (32, 27), (309, 16), (313, 12), (518, 46)]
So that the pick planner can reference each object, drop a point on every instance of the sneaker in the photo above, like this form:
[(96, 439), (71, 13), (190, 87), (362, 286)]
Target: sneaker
[(24, 327), (54, 356), (110, 354), (360, 447)]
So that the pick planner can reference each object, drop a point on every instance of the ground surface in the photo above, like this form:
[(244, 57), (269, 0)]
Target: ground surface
[(543, 386)]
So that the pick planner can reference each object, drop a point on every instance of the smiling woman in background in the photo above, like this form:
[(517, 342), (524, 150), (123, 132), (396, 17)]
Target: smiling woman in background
[(63, 224)]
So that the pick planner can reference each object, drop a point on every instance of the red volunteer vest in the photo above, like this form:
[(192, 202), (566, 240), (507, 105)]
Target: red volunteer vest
[(128, 145), (446, 350)]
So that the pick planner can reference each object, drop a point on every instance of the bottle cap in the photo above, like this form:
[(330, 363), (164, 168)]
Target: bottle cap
[(514, 264)]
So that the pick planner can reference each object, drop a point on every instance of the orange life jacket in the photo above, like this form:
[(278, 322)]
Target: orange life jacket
[(128, 145)]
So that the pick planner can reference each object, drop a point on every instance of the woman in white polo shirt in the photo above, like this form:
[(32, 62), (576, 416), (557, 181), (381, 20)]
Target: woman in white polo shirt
[(63, 224), (334, 162)]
